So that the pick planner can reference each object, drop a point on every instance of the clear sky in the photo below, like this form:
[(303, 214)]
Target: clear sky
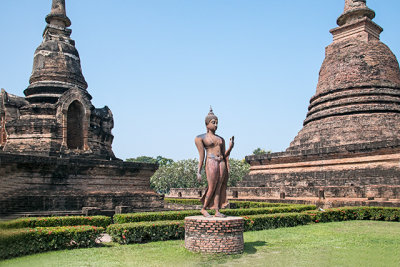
[(160, 64)]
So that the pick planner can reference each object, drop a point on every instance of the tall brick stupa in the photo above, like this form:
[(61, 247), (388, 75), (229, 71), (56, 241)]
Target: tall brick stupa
[(55, 146), (56, 116), (349, 146)]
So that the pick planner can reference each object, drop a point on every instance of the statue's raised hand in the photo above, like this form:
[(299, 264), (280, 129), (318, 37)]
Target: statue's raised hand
[(232, 141)]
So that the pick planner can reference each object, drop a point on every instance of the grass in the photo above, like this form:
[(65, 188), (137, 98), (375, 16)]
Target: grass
[(351, 243)]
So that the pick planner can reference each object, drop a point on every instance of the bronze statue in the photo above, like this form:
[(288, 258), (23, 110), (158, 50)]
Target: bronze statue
[(216, 165)]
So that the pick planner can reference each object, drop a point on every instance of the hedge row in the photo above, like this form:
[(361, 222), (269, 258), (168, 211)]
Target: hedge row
[(236, 204), (17, 242), (180, 215), (272, 221), (164, 230), (32, 222), (356, 213), (140, 232), (253, 204)]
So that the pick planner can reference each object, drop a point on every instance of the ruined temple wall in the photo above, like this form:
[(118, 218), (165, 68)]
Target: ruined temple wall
[(367, 191), (373, 167), (32, 183)]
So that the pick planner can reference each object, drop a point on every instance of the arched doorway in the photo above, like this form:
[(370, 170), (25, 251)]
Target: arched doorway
[(75, 117)]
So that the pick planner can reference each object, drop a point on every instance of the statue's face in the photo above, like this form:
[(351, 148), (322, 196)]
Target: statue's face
[(212, 125)]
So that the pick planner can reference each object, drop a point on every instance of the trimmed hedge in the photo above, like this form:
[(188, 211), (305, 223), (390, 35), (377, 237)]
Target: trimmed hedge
[(180, 215), (146, 231), (164, 230), (32, 222), (272, 221), (183, 201), (253, 204), (237, 204), (356, 213), (17, 242)]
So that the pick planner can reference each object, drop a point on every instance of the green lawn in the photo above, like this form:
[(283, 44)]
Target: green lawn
[(351, 243)]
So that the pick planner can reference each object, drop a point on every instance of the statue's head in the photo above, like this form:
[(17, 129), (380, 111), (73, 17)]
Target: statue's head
[(211, 120)]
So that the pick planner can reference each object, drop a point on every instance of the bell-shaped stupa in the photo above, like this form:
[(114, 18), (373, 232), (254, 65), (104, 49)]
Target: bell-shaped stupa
[(349, 145), (56, 63), (56, 117), (358, 92)]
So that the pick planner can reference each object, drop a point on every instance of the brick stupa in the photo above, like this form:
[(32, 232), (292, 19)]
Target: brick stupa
[(55, 146), (56, 116), (349, 146)]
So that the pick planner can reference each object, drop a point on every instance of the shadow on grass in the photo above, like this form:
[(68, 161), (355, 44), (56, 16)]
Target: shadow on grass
[(250, 247)]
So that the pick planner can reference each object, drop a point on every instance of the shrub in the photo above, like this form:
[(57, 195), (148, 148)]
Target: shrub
[(271, 221), (180, 215), (183, 201), (253, 204), (139, 232), (357, 213), (182, 174), (146, 231), (154, 216), (236, 204), (255, 211), (32, 222), (17, 242)]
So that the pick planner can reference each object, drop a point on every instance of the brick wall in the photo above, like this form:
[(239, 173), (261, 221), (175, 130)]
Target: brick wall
[(214, 235), (33, 183)]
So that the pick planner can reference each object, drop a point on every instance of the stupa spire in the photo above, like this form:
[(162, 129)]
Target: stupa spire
[(356, 23), (352, 4), (58, 15), (56, 63), (355, 10)]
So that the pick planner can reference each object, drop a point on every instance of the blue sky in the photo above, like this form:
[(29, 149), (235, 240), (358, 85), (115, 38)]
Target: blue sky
[(160, 64)]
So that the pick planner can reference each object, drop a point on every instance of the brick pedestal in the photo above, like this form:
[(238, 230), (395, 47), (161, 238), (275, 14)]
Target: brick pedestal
[(214, 235)]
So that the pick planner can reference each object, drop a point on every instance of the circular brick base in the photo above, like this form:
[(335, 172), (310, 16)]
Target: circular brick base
[(214, 235)]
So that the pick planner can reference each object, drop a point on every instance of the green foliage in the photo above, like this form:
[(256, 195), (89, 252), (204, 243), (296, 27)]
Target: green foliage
[(351, 243), (260, 151), (271, 210), (184, 201), (164, 161), (161, 161), (17, 242), (234, 204), (179, 174), (32, 222), (146, 231), (180, 215), (138, 232), (142, 159), (357, 213), (271, 221), (183, 174), (237, 170), (253, 204), (154, 216)]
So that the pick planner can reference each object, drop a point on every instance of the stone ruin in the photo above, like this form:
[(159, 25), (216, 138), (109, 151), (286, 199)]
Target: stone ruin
[(348, 151), (349, 146), (56, 147), (56, 116)]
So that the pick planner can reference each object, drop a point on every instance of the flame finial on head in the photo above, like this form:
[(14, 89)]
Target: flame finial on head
[(210, 116)]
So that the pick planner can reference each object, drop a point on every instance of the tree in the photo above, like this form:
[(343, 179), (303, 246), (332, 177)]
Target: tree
[(145, 159), (260, 151), (182, 174)]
